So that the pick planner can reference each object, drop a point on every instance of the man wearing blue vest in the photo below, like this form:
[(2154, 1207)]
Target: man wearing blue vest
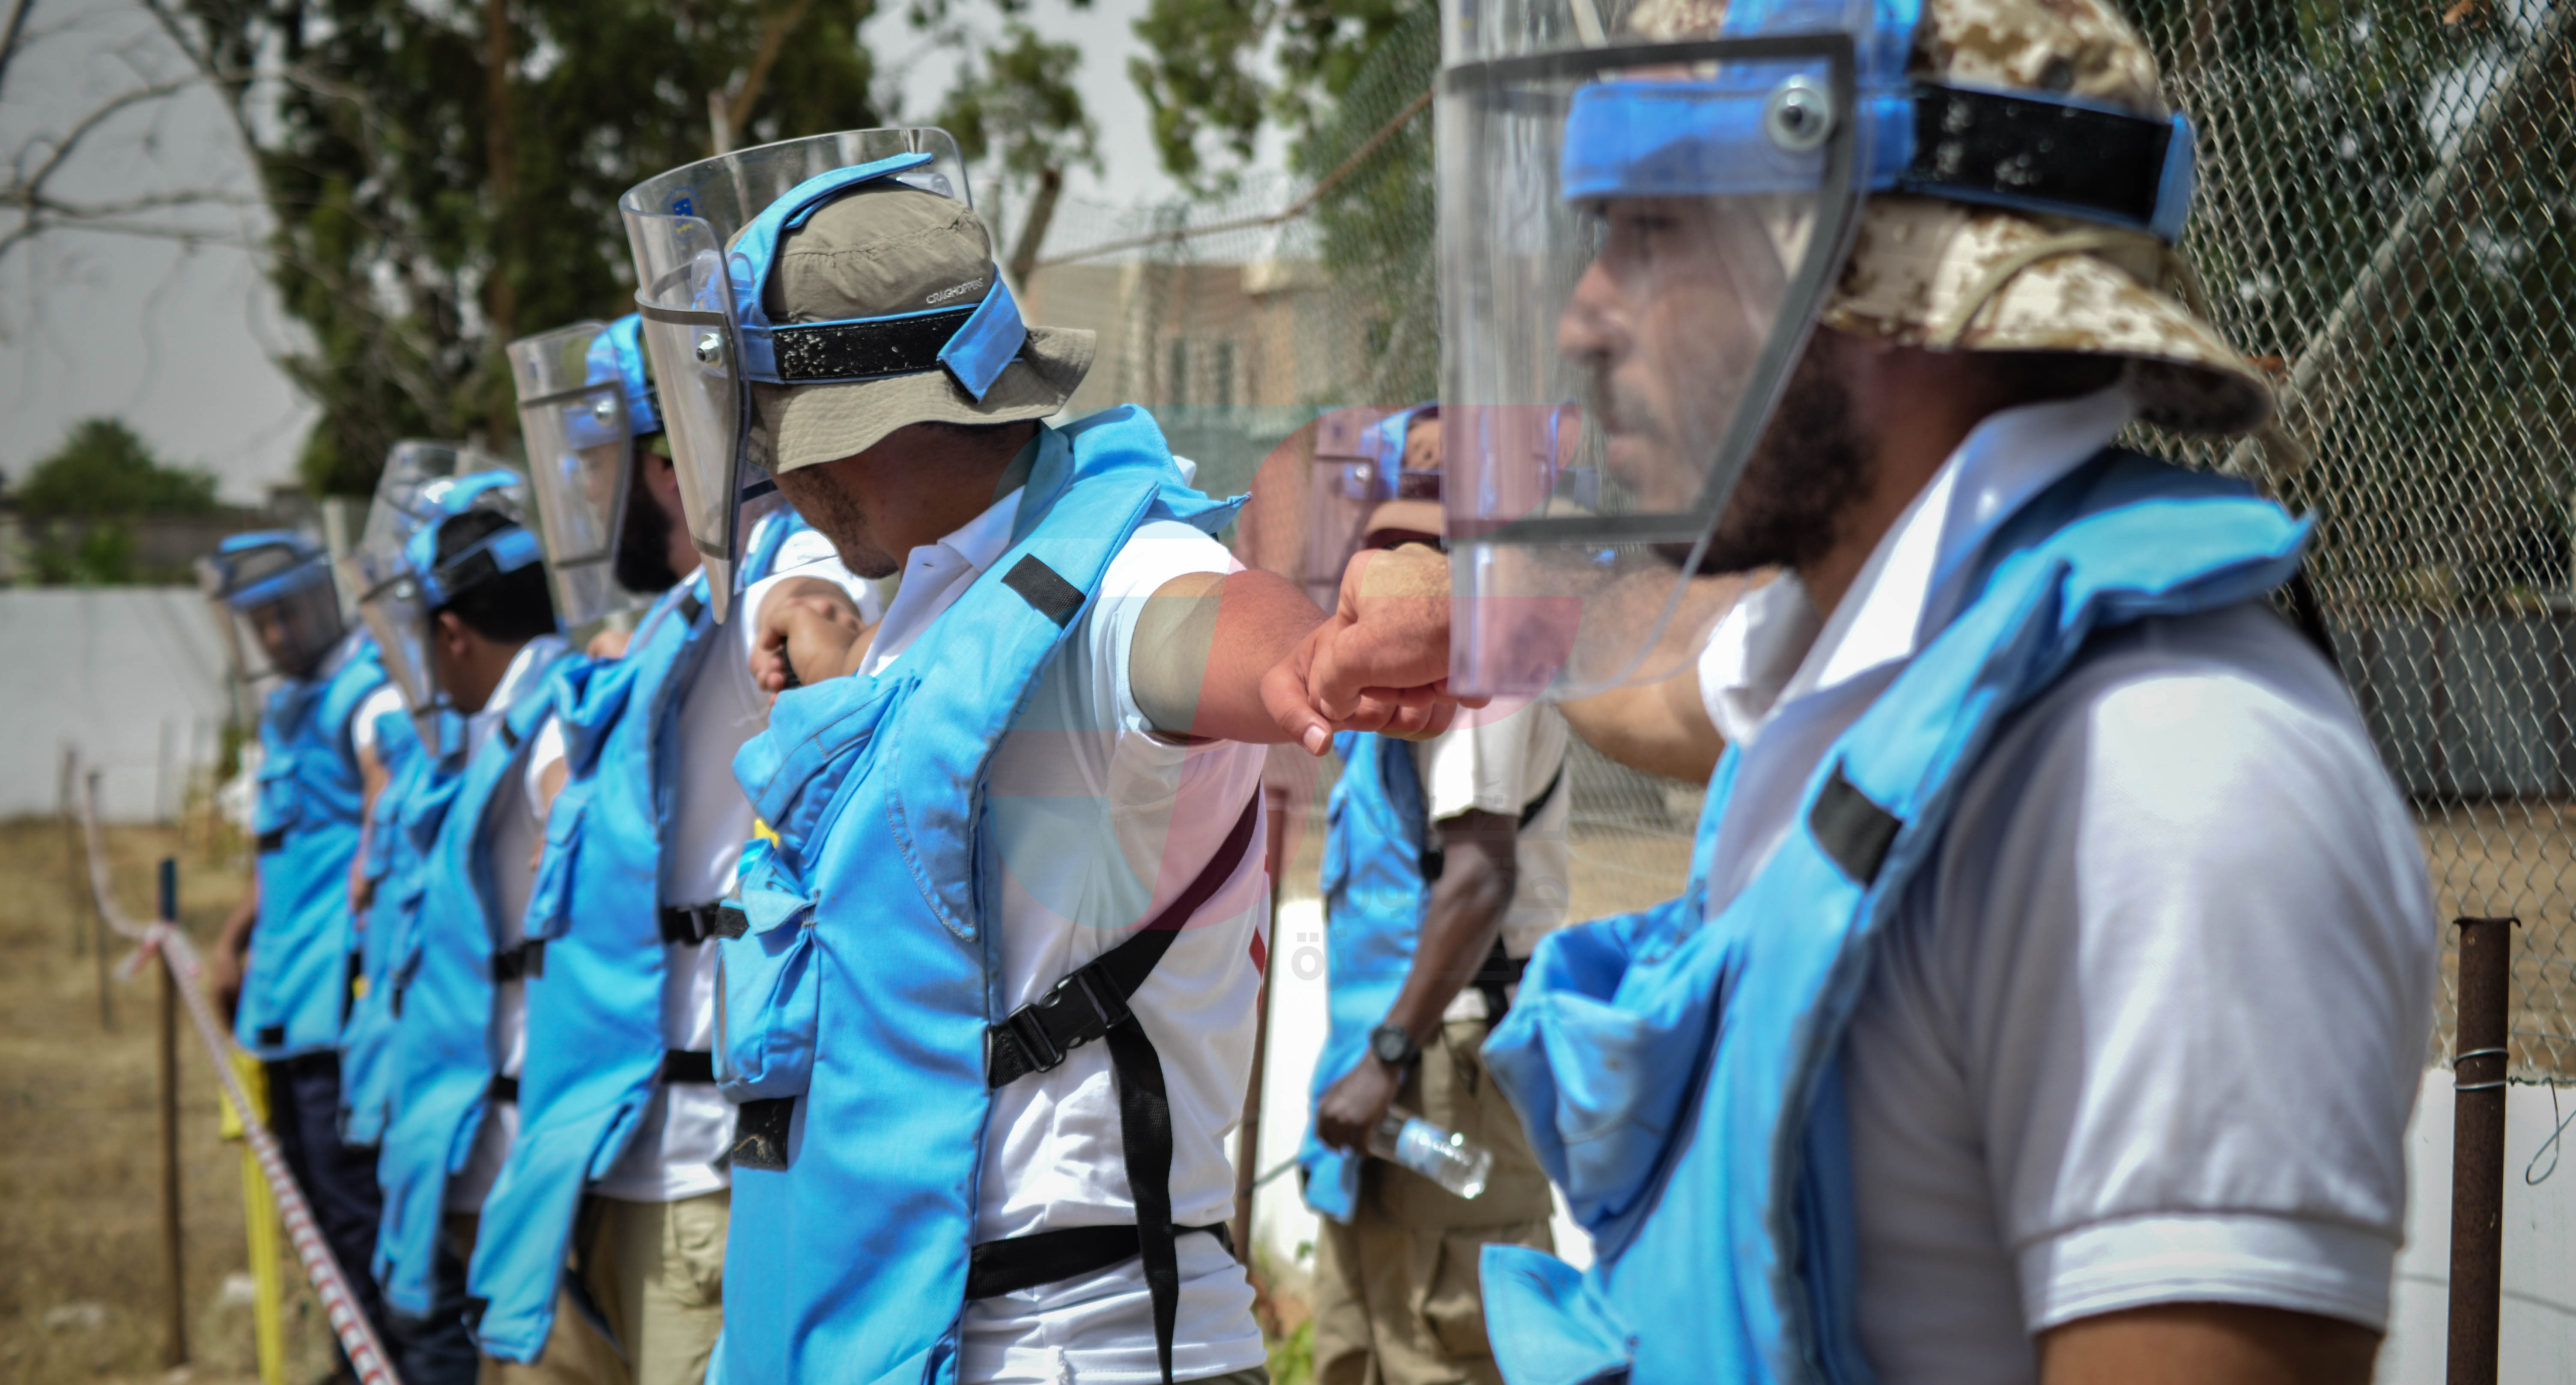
[(1444, 864), (2054, 979), (475, 632), (988, 995), (281, 964), (622, 1145)]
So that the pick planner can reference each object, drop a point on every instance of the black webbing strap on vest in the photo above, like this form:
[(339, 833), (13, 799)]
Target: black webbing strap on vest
[(271, 841), (527, 960), (689, 1065), (1091, 1004), (505, 1089), (1025, 1262), (687, 925)]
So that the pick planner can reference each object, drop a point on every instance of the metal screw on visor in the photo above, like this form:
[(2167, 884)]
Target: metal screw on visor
[(1799, 114), (711, 348)]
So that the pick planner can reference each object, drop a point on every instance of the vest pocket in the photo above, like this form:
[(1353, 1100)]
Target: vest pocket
[(279, 798), (767, 993), (549, 913)]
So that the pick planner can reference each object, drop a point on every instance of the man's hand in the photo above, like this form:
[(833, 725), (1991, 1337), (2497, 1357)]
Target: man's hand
[(609, 643), (809, 630), (1352, 1107), (1380, 662)]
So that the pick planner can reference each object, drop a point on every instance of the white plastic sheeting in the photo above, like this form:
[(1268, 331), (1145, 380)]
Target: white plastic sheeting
[(133, 677)]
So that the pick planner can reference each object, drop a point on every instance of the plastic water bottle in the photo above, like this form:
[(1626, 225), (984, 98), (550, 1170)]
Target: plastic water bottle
[(1443, 1156)]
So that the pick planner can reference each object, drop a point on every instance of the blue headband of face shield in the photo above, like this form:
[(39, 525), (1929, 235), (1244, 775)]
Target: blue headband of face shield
[(972, 344), (504, 550), (1738, 134), (306, 563), (616, 357)]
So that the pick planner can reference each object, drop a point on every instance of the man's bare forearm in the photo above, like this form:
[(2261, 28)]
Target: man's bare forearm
[(1465, 915), (1202, 647), (2207, 1344)]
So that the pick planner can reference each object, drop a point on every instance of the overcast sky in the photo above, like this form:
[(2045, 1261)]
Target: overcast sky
[(181, 342)]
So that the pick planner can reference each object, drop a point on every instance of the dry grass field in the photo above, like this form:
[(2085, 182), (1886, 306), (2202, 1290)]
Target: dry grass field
[(82, 1294)]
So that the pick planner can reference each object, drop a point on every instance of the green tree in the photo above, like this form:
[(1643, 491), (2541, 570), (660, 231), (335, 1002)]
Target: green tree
[(1201, 78), (444, 178), (82, 500), (1012, 106), (104, 470)]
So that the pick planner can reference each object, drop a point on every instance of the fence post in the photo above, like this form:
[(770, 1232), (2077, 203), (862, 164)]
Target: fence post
[(1247, 1146), (175, 1350), (98, 940), (2477, 1148), (78, 887)]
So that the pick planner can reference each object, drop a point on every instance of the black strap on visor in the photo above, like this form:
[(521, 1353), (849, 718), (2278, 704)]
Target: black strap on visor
[(813, 352), (1986, 146)]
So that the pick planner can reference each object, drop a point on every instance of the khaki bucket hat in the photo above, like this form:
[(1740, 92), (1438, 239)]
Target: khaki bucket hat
[(1930, 272), (882, 250)]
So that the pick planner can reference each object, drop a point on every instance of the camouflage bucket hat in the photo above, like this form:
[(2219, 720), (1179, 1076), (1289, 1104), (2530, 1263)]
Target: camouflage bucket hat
[(1930, 272)]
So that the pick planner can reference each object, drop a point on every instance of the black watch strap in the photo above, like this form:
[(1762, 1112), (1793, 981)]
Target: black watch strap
[(1393, 1045)]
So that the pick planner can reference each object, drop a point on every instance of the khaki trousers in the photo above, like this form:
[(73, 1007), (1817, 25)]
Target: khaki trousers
[(656, 1270), (1397, 1298), (575, 1353)]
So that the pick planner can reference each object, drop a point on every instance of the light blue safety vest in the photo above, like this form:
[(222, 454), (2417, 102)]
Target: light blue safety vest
[(363, 1040), (865, 985), (595, 1017), (295, 995), (442, 1050), (1679, 1074), (1374, 893)]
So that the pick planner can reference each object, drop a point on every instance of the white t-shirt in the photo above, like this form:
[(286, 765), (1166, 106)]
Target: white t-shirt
[(687, 1127), (2150, 1028), (362, 722), (1502, 766), (510, 832), (1100, 823)]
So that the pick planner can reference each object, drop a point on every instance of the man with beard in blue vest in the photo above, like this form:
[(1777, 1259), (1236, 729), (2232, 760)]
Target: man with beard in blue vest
[(473, 630), (989, 992), (2054, 978), (281, 964), (621, 1152)]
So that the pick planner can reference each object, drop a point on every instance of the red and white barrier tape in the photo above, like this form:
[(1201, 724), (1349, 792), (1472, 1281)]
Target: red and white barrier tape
[(163, 938)]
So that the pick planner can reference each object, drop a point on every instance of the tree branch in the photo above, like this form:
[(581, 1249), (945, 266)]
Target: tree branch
[(9, 35)]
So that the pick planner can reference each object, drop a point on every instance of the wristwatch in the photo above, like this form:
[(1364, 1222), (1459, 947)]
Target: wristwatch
[(1393, 1045)]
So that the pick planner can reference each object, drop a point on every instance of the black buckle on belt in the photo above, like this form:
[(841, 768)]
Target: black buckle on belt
[(505, 1089), (527, 960), (1037, 1036), (274, 839), (687, 925)]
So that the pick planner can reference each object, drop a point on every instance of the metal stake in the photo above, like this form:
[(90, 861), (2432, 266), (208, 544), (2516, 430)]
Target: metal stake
[(174, 1352), (2477, 1149)]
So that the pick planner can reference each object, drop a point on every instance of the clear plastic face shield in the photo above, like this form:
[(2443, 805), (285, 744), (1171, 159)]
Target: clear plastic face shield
[(1636, 238), (1364, 458), (406, 586), (583, 399), (272, 597), (691, 293)]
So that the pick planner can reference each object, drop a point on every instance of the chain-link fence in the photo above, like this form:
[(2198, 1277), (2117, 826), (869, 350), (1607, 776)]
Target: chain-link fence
[(2386, 221)]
